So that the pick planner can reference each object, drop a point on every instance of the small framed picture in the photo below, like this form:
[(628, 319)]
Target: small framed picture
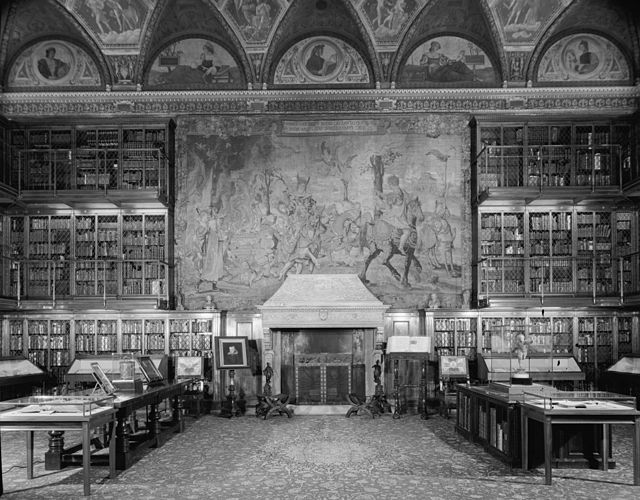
[(454, 366), (189, 367), (102, 379), (231, 352)]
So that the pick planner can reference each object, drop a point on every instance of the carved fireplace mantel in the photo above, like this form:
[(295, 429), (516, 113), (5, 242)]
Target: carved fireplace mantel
[(322, 301)]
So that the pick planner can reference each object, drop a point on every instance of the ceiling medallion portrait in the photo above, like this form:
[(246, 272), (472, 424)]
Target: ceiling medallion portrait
[(583, 57), (54, 63), (321, 60)]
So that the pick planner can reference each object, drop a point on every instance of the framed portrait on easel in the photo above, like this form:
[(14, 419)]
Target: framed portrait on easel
[(231, 353)]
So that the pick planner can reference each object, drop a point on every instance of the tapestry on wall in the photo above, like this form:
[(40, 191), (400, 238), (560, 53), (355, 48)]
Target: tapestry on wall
[(260, 198)]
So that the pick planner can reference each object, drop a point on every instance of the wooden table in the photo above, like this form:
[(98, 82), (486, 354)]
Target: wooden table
[(576, 412), (129, 447), (100, 417), (131, 442)]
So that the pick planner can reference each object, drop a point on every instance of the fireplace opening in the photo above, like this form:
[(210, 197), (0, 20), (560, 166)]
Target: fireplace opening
[(322, 366)]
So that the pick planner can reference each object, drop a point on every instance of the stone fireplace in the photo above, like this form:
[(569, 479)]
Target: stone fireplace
[(319, 337)]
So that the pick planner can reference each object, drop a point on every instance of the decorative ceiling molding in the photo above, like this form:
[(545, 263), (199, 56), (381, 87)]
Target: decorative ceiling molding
[(609, 100)]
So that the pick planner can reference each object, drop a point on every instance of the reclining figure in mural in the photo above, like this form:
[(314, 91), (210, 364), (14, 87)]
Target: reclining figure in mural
[(393, 231)]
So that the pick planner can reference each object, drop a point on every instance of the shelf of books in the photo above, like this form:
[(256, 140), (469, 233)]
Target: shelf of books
[(96, 157)]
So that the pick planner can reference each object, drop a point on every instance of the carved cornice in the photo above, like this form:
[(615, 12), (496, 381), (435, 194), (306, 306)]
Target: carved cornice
[(615, 100), (329, 317)]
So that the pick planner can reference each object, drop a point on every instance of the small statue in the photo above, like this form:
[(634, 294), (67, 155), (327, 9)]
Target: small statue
[(466, 298), (521, 348), (209, 305), (434, 301), (377, 371), (268, 373)]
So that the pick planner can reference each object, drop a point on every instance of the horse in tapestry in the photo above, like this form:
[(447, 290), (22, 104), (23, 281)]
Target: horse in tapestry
[(382, 238)]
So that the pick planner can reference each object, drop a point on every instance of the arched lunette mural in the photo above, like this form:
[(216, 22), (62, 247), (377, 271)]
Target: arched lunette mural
[(53, 63), (321, 60), (447, 61), (194, 63), (583, 58)]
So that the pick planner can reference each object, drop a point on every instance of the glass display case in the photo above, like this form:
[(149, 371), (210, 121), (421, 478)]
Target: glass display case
[(540, 367), (579, 401), (116, 368), (624, 377), (18, 376), (126, 373), (79, 405)]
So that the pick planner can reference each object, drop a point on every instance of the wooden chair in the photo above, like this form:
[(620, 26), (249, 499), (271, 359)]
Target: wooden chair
[(453, 370)]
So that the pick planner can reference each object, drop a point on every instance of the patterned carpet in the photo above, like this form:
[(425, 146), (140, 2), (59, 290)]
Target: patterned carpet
[(317, 457)]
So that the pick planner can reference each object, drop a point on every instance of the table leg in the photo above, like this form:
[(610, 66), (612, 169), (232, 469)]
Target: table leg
[(636, 452), (122, 441), (1, 484), (548, 449), (86, 456), (112, 449), (178, 410), (604, 453), (29, 454), (524, 437)]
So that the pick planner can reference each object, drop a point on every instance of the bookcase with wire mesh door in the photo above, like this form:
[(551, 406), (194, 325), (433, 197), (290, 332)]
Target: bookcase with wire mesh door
[(92, 156), (53, 339), (576, 251), (595, 339), (92, 254), (551, 155)]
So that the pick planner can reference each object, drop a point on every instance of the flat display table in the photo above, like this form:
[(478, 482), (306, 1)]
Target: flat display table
[(65, 417), (573, 408)]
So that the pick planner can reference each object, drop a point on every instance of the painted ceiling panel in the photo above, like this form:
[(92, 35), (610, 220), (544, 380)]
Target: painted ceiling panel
[(118, 26), (125, 38)]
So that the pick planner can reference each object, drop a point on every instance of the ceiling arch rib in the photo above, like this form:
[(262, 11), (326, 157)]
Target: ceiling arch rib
[(32, 20), (308, 18), (594, 16), (451, 18), (195, 19)]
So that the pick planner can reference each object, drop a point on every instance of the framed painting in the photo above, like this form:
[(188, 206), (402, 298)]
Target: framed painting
[(231, 353)]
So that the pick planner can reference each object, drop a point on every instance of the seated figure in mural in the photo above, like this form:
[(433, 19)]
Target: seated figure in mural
[(209, 63), (393, 209), (441, 68), (51, 67)]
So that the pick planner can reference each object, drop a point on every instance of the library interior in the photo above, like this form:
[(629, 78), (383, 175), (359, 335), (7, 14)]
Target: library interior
[(340, 249)]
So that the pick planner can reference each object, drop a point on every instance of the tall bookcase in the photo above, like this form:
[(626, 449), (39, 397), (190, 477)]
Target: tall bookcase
[(104, 254)]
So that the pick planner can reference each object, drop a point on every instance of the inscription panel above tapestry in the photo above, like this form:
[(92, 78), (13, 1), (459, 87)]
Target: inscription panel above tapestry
[(259, 198)]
